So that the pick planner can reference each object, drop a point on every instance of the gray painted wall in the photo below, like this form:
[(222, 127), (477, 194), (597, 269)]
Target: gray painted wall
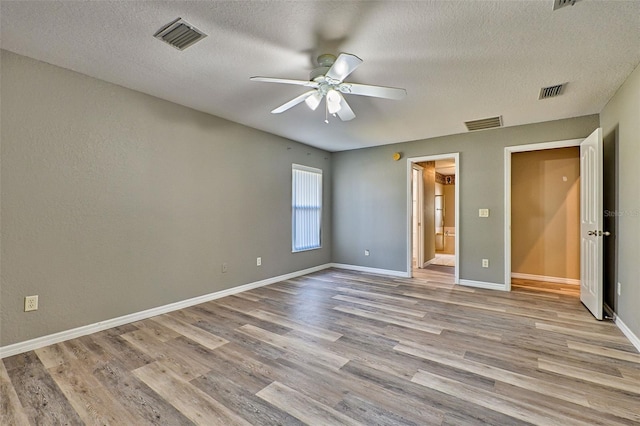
[(114, 202), (620, 119), (370, 199)]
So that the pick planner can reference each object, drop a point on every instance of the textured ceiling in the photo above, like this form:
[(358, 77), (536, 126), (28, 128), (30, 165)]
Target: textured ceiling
[(458, 60)]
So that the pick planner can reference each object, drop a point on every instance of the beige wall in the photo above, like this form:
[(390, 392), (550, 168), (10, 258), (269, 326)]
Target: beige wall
[(620, 121), (449, 206), (545, 213), (114, 202)]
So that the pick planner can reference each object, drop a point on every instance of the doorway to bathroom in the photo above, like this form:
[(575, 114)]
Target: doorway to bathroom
[(444, 210), (432, 216)]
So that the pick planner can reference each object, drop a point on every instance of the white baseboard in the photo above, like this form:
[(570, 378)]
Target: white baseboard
[(484, 284), (39, 342), (635, 340), (390, 272), (556, 280)]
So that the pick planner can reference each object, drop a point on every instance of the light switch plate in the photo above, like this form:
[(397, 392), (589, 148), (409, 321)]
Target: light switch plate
[(483, 212)]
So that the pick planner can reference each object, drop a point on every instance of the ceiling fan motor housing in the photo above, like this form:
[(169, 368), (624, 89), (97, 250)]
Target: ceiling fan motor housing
[(325, 62), (318, 72)]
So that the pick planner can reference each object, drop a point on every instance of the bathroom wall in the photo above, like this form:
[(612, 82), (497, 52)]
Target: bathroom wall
[(449, 218), (449, 192)]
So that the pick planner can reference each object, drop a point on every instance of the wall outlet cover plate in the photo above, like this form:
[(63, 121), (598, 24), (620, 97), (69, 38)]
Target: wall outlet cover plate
[(31, 303)]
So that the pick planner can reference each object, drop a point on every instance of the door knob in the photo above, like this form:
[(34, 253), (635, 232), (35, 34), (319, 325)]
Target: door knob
[(605, 233)]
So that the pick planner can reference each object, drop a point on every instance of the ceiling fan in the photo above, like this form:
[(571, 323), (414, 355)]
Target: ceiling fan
[(327, 81)]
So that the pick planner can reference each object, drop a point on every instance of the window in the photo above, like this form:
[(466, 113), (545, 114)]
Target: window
[(306, 207)]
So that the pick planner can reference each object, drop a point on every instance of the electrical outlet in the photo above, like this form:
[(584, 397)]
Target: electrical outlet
[(619, 289), (259, 261), (224, 267), (485, 263), (366, 252), (31, 303)]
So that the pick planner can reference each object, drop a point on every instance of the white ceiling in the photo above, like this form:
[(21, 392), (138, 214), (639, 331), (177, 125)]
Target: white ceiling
[(446, 167), (458, 60)]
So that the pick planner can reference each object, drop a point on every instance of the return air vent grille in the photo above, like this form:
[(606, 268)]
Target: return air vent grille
[(551, 91), (557, 4), (179, 34), (485, 123)]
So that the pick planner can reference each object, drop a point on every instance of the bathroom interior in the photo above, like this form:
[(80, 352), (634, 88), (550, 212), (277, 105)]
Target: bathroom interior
[(434, 194), (444, 213)]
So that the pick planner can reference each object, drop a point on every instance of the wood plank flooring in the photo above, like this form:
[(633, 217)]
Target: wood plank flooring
[(340, 348)]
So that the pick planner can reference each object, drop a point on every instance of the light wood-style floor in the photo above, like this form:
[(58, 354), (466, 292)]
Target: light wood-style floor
[(339, 347)]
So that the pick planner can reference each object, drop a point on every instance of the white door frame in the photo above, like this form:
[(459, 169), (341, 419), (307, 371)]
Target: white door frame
[(410, 161), (420, 214), (507, 193)]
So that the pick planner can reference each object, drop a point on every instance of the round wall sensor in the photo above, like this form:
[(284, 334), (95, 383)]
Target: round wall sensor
[(396, 156)]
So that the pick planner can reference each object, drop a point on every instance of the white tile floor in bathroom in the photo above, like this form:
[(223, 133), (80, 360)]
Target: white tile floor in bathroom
[(443, 259)]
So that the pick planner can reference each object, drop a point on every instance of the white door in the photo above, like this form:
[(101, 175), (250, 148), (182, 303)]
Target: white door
[(591, 219)]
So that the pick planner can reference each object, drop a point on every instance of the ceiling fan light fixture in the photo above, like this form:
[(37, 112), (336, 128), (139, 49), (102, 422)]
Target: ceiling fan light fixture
[(333, 101), (313, 101), (333, 108)]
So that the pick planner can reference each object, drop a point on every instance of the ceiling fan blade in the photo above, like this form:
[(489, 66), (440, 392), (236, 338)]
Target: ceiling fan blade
[(285, 81), (314, 100), (345, 112), (375, 91), (293, 102), (343, 66)]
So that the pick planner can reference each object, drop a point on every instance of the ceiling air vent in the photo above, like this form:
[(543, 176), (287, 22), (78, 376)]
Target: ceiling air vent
[(485, 123), (557, 4), (551, 91), (179, 34)]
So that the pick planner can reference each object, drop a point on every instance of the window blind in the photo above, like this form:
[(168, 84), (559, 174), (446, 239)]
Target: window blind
[(306, 207)]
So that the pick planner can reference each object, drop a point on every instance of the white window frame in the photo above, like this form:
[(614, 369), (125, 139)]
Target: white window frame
[(295, 208)]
